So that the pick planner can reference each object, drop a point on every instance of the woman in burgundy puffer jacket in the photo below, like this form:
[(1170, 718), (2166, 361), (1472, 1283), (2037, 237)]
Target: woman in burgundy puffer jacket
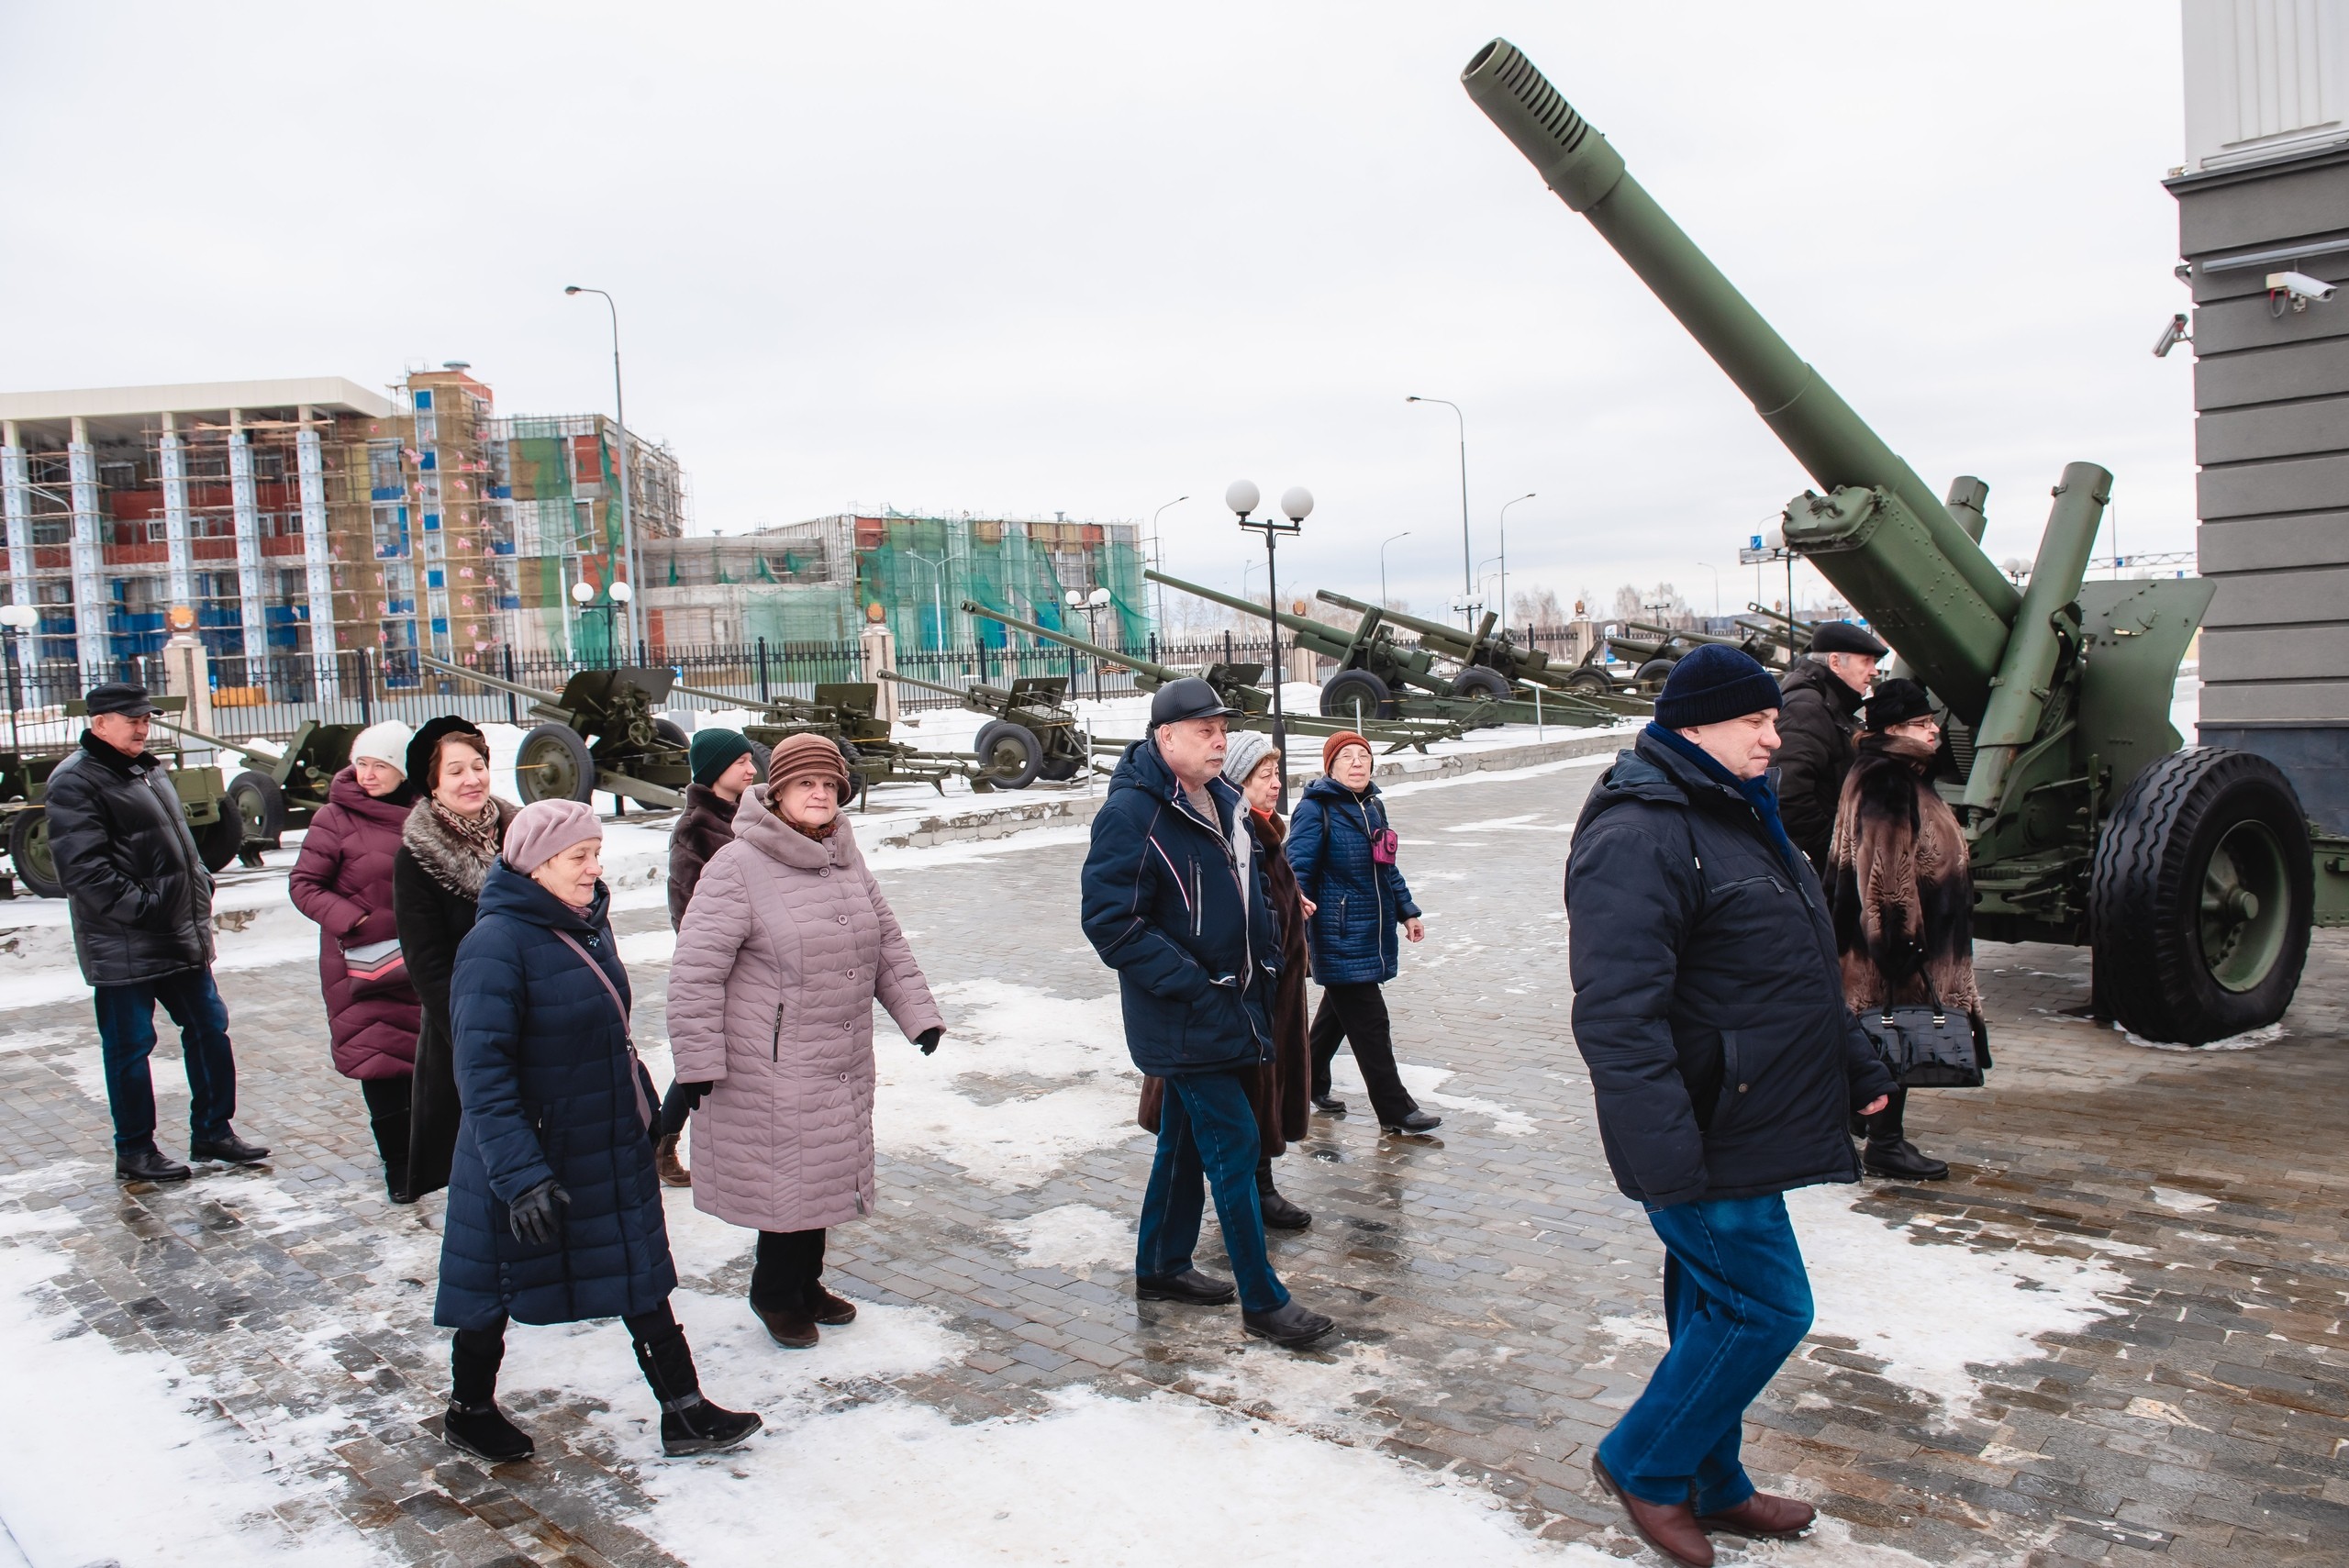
[(344, 880)]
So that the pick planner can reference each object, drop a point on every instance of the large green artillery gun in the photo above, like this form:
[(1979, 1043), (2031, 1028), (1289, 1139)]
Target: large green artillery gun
[(600, 732), (1491, 663), (1240, 687), (24, 782), (2191, 873), (1031, 732), (290, 785), (848, 713)]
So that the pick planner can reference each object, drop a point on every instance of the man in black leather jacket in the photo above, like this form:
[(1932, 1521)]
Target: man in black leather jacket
[(142, 905), (1821, 697)]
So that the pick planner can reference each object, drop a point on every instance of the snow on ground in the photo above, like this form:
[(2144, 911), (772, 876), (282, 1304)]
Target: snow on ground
[(1075, 1237), (2250, 1040), (1930, 1310), (1426, 1085), (1024, 1084)]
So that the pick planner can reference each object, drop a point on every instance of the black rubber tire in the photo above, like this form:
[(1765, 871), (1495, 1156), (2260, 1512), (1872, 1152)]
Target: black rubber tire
[(28, 852), (260, 807), (1009, 754), (1656, 671), (1340, 691), (672, 732), (2153, 902), (1591, 681), (762, 753), (855, 791), (218, 840), (554, 764), (1060, 770), (1480, 685)]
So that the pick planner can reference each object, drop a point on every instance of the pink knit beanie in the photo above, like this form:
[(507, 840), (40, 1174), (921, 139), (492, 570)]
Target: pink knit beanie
[(544, 829)]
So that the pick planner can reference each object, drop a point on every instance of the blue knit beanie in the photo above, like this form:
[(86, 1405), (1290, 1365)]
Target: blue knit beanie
[(713, 751), (1715, 682)]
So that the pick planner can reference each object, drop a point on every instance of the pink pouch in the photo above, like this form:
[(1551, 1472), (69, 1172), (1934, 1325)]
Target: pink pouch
[(1382, 847)]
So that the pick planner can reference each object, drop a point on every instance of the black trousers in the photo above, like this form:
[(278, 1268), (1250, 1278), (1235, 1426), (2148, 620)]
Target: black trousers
[(474, 1353), (789, 1272), (1884, 1127), (1356, 1015), (389, 1101)]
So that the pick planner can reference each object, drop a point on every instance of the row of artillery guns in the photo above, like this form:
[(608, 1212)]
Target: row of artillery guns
[(1771, 637)]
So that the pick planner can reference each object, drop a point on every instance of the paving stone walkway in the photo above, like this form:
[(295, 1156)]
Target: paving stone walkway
[(1497, 1296)]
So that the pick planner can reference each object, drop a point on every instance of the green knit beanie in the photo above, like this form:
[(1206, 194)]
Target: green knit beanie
[(714, 751)]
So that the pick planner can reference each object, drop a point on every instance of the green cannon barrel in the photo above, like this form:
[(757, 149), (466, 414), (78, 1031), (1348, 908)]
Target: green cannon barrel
[(1318, 636), (1881, 535), (1154, 675)]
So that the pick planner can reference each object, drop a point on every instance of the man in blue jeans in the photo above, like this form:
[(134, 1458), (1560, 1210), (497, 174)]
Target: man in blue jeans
[(1709, 1008), (142, 904), (1175, 902)]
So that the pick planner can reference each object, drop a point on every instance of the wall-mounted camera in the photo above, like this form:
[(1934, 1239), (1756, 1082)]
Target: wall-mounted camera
[(2297, 288), (2171, 336)]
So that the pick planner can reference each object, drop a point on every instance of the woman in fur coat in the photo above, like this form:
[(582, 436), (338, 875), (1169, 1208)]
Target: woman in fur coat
[(1902, 890), (450, 839)]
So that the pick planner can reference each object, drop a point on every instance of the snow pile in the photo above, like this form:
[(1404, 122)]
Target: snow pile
[(1074, 1237), (2250, 1040), (1024, 1082)]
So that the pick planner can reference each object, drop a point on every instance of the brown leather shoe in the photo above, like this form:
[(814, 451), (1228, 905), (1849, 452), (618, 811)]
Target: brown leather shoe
[(833, 1311), (792, 1330), (664, 1159), (1670, 1528), (1763, 1516)]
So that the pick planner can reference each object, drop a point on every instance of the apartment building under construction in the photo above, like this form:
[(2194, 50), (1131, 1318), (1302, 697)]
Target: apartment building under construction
[(315, 516)]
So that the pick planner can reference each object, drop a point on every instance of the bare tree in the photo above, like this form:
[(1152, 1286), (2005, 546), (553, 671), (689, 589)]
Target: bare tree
[(1536, 606)]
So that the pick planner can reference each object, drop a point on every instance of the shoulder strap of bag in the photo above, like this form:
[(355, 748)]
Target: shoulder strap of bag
[(635, 1064)]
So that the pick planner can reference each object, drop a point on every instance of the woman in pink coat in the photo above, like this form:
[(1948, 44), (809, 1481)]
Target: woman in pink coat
[(342, 880), (785, 946)]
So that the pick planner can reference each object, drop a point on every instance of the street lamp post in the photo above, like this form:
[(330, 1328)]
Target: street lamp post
[(20, 620), (1158, 556), (1717, 585), (1390, 539), (628, 500), (1505, 506), (1468, 570), (1091, 606), (937, 593), (1297, 504), (583, 593)]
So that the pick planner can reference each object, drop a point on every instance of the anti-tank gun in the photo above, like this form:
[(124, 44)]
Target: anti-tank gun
[(1492, 664), (24, 786), (599, 733), (289, 786), (1030, 733), (2189, 872), (848, 714), (1239, 685)]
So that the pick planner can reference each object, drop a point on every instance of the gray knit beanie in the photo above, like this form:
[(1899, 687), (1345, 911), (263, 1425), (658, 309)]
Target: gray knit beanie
[(1246, 749)]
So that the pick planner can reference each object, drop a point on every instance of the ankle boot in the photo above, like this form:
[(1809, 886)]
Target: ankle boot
[(473, 1421), (689, 1423), (1278, 1212), (391, 1146), (672, 1168)]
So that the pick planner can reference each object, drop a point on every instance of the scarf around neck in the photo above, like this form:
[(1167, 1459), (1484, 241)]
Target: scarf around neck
[(477, 836), (1757, 791)]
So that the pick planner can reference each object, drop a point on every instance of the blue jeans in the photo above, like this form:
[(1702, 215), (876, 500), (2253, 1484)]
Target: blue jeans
[(1207, 1129), (127, 1037), (1737, 1302)]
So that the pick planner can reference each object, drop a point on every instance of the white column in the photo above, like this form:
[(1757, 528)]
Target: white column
[(16, 498), (90, 602), (318, 557), (251, 602), (175, 515)]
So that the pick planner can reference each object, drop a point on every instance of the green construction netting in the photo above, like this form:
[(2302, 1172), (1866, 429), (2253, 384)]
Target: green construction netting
[(925, 567)]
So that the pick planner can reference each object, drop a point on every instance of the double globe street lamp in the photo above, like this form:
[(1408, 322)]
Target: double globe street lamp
[(615, 598), (1296, 504)]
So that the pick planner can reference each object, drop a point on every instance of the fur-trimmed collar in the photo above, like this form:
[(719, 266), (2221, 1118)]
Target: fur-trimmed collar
[(446, 858)]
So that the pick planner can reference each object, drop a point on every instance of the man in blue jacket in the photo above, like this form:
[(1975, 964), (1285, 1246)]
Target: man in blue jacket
[(1175, 902), (1709, 1008)]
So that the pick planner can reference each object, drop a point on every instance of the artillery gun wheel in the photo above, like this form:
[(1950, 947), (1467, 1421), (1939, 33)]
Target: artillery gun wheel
[(1652, 674), (761, 755), (1009, 754), (1349, 689), (1480, 685), (554, 764), (1060, 770), (260, 805), (672, 733), (28, 850), (2202, 894), (218, 840), (855, 791), (1591, 681)]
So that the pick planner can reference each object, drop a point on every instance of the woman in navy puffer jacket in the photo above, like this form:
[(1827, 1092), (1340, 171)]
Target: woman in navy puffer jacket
[(555, 1211), (1343, 854)]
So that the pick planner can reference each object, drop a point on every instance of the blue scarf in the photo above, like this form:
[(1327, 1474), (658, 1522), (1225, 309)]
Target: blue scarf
[(1756, 791)]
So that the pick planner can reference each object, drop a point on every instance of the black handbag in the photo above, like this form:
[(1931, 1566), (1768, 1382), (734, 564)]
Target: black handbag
[(1927, 1048)]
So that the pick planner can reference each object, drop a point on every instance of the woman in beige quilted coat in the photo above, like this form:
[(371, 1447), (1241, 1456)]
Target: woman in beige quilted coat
[(784, 947)]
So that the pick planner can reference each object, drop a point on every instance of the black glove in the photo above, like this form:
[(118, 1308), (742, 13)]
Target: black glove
[(683, 1098), (534, 1217), (927, 1039)]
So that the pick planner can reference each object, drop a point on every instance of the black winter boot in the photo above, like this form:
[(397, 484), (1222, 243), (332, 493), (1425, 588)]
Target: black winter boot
[(391, 1144), (1902, 1161), (689, 1423), (1279, 1213), (473, 1421)]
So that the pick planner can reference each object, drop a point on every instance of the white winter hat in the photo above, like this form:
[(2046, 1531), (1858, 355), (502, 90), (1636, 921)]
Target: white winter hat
[(386, 742)]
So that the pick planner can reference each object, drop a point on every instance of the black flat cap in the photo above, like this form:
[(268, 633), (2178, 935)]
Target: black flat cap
[(122, 697), (1842, 636), (1189, 697)]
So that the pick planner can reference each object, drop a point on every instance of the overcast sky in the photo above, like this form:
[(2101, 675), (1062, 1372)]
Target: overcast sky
[(1086, 258)]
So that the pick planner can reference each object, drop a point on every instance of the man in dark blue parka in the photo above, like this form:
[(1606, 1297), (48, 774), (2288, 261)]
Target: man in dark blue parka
[(1175, 902), (555, 1211), (1709, 1008)]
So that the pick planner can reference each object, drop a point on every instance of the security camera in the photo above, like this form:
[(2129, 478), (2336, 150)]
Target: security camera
[(2171, 336), (2299, 288)]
